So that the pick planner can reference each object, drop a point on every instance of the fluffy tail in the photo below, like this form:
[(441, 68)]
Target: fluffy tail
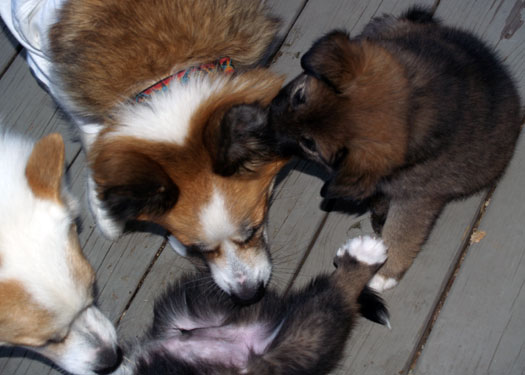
[(419, 14), (372, 307)]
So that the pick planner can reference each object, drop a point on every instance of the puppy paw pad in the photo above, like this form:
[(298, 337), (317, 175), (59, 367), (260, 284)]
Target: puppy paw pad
[(365, 249), (380, 283)]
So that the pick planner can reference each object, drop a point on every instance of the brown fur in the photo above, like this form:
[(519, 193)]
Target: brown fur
[(304, 332), (109, 50), (45, 167), (33, 325), (79, 266), (190, 165), (410, 114)]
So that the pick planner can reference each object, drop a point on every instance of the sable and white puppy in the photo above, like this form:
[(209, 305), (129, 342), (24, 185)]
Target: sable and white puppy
[(197, 330), (160, 152), (410, 113), (46, 284)]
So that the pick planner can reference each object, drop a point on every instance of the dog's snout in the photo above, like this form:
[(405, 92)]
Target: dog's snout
[(108, 360), (247, 294)]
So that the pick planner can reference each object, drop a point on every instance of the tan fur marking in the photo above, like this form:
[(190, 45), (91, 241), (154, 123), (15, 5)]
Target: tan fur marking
[(80, 268), (22, 321), (45, 167)]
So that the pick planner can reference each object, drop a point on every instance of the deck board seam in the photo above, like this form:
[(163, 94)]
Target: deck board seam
[(457, 264), (269, 60), (141, 282), (307, 252), (10, 62)]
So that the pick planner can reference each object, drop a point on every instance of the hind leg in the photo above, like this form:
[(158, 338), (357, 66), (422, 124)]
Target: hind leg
[(356, 262), (406, 228), (319, 317), (379, 205)]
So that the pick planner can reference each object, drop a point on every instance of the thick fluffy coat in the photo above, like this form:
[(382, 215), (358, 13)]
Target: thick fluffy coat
[(197, 330), (410, 114)]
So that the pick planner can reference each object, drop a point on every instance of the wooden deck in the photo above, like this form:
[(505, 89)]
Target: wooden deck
[(461, 307)]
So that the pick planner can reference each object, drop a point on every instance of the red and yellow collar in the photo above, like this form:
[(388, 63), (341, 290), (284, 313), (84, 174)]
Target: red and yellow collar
[(223, 65)]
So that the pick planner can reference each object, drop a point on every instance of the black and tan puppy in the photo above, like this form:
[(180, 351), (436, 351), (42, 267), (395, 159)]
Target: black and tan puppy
[(197, 329), (410, 113)]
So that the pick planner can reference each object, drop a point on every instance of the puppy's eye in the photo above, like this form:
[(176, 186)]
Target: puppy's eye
[(299, 96), (308, 143)]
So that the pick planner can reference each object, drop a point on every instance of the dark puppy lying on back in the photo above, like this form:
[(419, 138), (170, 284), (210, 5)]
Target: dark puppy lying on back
[(410, 113), (197, 329)]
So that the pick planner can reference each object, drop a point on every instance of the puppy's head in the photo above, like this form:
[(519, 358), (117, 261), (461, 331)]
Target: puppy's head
[(347, 111), (46, 284), (308, 116), (176, 161)]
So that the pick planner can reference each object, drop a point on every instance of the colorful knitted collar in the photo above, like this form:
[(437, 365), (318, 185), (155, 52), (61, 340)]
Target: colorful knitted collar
[(224, 65)]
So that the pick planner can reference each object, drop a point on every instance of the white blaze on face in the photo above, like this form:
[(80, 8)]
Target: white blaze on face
[(215, 220), (230, 270)]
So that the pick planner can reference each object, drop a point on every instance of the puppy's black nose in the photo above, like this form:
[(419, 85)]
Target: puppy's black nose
[(248, 294), (108, 360)]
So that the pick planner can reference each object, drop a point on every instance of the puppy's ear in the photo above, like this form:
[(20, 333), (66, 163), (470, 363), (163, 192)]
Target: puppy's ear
[(241, 141), (334, 59), (131, 184), (45, 167)]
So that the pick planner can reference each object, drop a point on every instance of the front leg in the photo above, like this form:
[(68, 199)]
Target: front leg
[(343, 185), (407, 226), (379, 204)]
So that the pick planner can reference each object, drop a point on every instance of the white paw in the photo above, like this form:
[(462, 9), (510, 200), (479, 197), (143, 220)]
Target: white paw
[(109, 227), (177, 246), (380, 283), (365, 249)]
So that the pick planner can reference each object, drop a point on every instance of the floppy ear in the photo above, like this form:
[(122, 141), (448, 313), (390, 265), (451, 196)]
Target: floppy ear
[(241, 141), (334, 59), (131, 184), (45, 167)]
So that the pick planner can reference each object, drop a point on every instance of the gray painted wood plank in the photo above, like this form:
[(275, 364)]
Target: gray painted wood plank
[(481, 326), (8, 47), (27, 109)]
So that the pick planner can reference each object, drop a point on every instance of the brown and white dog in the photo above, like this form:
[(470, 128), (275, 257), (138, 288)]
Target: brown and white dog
[(170, 158), (410, 114), (46, 284)]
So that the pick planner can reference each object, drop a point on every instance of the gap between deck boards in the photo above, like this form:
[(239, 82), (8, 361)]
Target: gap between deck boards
[(139, 285), (458, 264), (436, 310)]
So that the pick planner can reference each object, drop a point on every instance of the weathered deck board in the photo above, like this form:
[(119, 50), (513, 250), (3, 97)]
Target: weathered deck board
[(481, 326), (27, 109), (8, 47)]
